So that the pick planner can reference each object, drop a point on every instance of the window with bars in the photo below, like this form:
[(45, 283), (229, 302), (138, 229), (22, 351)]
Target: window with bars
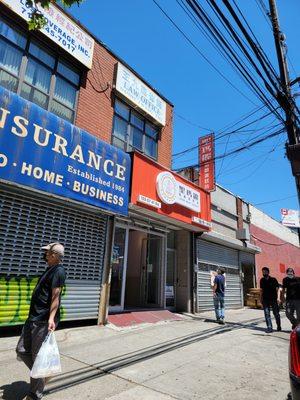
[(32, 71), (132, 131)]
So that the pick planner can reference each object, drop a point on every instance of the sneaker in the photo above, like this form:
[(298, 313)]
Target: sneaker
[(269, 330), (222, 322), (278, 328)]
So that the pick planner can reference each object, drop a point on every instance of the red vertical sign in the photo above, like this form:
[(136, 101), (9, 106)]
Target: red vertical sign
[(207, 162)]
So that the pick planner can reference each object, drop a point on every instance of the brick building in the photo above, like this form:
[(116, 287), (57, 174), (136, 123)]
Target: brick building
[(71, 113), (279, 245)]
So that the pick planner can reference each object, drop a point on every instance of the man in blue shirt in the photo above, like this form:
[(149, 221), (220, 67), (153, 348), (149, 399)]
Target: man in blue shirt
[(219, 294)]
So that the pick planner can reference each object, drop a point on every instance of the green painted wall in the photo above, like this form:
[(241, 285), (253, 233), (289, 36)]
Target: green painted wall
[(15, 295)]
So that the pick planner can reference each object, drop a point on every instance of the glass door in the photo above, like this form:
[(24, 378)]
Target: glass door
[(118, 273), (151, 271)]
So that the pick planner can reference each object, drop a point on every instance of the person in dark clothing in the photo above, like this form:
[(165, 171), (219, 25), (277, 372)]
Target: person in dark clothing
[(43, 314), (269, 292), (291, 293), (219, 295)]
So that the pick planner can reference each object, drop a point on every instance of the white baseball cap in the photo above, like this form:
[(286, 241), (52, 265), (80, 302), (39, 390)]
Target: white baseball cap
[(56, 248)]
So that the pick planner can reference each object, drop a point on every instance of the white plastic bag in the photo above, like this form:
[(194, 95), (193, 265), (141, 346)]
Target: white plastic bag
[(47, 362)]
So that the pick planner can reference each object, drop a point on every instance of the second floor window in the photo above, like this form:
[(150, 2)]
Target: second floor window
[(30, 70), (132, 131)]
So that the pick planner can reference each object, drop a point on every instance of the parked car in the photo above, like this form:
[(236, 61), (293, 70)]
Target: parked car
[(294, 363)]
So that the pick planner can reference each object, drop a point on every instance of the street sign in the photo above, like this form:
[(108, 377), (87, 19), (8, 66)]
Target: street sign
[(290, 218)]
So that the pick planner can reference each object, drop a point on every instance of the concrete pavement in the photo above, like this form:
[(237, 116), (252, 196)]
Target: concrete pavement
[(184, 360)]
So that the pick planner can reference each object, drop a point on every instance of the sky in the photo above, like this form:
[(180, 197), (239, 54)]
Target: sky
[(204, 102)]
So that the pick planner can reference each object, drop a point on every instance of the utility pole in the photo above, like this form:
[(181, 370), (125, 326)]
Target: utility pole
[(286, 99)]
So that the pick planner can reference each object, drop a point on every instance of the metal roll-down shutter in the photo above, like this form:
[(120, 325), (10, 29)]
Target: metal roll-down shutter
[(210, 256), (28, 221)]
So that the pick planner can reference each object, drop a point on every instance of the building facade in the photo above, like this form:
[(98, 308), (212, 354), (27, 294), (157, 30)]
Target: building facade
[(154, 268), (227, 245), (279, 245), (75, 123)]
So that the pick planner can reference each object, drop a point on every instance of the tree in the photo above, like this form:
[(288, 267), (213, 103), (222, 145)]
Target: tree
[(37, 19)]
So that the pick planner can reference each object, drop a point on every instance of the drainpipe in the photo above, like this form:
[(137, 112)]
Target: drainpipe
[(193, 274), (106, 279)]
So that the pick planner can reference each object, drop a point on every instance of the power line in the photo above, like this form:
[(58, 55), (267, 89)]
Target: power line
[(233, 57), (265, 12), (275, 201), (242, 46), (271, 244), (238, 150), (200, 52), (218, 46), (267, 156), (223, 134), (192, 123)]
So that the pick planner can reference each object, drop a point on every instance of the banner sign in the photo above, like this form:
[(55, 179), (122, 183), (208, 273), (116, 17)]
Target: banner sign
[(207, 163), (290, 218), (141, 95), (60, 29), (45, 152), (171, 191)]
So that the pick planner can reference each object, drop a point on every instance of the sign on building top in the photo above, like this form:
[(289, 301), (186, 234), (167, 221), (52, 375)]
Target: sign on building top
[(290, 218), (61, 30), (130, 86)]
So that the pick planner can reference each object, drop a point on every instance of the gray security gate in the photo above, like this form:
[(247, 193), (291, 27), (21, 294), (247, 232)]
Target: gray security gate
[(28, 221), (210, 256)]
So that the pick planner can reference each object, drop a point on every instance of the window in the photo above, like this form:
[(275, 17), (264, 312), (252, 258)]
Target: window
[(132, 131), (36, 74)]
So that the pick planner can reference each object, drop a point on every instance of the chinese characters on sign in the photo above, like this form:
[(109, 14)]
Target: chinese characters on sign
[(141, 95), (207, 163), (61, 30), (171, 191)]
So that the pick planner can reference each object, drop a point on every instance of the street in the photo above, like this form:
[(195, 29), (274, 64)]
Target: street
[(189, 359)]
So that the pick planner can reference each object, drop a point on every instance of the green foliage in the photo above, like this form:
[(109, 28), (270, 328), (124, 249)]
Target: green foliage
[(37, 19)]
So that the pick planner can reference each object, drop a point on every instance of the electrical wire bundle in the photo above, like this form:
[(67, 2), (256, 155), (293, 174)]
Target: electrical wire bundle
[(225, 26)]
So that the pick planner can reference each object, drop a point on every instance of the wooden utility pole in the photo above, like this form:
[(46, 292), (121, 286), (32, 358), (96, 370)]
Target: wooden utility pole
[(285, 98)]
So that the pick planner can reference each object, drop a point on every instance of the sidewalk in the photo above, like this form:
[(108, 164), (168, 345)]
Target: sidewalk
[(110, 363)]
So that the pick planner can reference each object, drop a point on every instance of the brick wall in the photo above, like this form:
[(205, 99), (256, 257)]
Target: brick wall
[(95, 104), (276, 254)]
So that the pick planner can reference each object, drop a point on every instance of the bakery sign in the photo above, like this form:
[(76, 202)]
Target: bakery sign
[(133, 89), (171, 191), (60, 29)]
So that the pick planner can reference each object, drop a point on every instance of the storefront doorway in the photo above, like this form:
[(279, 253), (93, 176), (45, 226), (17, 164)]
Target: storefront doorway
[(137, 270)]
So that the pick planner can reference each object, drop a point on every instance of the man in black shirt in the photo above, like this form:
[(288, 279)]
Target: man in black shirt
[(291, 292), (43, 313), (269, 287)]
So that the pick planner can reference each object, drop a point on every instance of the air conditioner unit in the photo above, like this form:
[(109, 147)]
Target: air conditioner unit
[(243, 234)]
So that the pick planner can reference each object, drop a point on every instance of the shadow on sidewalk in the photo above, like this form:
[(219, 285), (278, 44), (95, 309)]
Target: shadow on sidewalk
[(94, 371), (15, 391)]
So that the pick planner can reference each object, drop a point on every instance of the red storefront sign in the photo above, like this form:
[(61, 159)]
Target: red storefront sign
[(168, 196), (207, 163)]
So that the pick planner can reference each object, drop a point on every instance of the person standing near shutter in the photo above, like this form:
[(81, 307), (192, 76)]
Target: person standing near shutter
[(44, 313), (291, 293), (269, 297), (219, 295)]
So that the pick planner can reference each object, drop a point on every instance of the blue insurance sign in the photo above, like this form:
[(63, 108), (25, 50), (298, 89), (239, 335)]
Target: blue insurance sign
[(45, 152)]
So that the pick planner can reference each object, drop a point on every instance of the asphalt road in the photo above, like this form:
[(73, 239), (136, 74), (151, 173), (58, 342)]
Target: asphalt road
[(189, 359)]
